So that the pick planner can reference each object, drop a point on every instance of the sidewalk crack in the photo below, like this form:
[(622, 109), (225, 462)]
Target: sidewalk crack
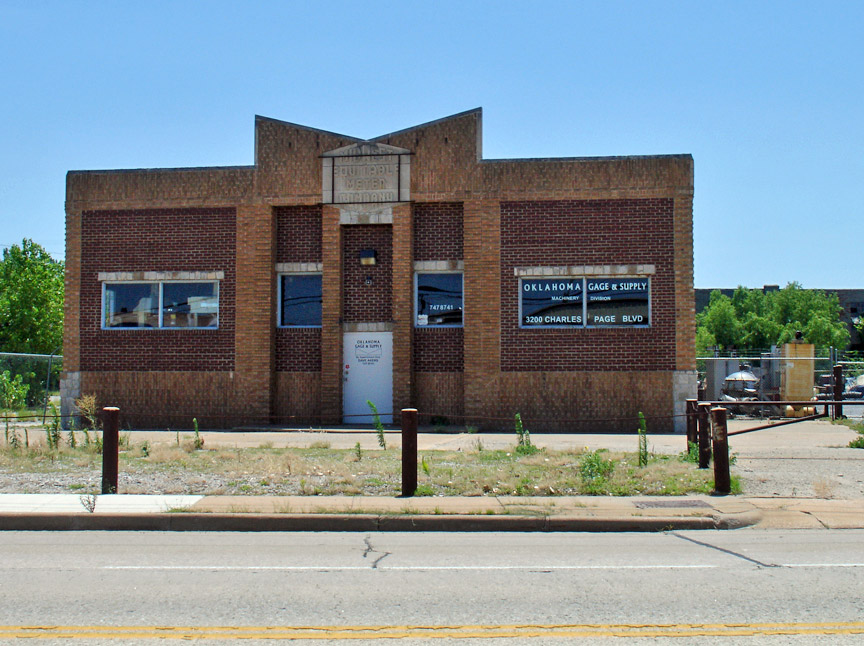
[(725, 551), (818, 520)]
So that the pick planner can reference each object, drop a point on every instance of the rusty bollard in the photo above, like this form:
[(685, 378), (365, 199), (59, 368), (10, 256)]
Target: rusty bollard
[(110, 448), (704, 435), (722, 479), (691, 410), (838, 391), (409, 451)]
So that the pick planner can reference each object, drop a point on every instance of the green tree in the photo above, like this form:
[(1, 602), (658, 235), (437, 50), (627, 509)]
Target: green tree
[(756, 319), (31, 300), (721, 320)]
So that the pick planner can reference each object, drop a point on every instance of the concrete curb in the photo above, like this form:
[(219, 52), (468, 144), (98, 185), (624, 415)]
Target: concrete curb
[(218, 522)]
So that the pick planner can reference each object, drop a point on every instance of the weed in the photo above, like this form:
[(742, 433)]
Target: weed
[(12, 439), (379, 427), (198, 441), (523, 439), (52, 430), (594, 466), (320, 444), (89, 409), (471, 429), (478, 445), (691, 454), (857, 443), (88, 501), (77, 486), (145, 449), (643, 441), (358, 452), (424, 465), (424, 490)]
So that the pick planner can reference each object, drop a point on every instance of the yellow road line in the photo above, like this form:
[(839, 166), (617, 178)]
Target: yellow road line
[(430, 632)]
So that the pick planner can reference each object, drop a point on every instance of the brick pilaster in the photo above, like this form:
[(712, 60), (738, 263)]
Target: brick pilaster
[(72, 290), (482, 288), (331, 317), (403, 295), (256, 311), (685, 316)]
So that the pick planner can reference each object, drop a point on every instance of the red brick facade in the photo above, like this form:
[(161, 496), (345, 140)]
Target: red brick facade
[(589, 232), (367, 291), (438, 231), (489, 219), (156, 240)]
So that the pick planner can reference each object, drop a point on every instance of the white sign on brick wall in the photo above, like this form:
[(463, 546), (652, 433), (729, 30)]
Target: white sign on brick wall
[(366, 173)]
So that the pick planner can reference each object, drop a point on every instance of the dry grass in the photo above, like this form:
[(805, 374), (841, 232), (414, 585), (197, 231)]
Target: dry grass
[(320, 470)]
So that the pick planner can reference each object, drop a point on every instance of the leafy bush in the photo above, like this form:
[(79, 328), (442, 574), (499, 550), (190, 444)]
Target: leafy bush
[(13, 391)]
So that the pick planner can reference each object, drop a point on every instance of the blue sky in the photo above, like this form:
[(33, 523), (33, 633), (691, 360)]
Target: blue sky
[(768, 97)]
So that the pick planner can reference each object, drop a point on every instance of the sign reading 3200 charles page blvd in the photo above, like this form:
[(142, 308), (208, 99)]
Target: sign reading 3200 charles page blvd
[(366, 174), (584, 302)]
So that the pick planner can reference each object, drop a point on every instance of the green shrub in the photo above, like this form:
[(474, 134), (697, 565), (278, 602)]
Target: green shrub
[(13, 391)]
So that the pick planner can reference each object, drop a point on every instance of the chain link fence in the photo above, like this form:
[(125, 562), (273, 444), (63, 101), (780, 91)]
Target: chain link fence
[(30, 383)]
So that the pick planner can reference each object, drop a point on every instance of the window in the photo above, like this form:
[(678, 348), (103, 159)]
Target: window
[(300, 300), (584, 302), (438, 300), (618, 302), (160, 305)]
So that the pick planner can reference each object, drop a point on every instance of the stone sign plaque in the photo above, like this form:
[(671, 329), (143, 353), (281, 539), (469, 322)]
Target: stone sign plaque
[(366, 174)]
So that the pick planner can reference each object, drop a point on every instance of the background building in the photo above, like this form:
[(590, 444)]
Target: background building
[(405, 270)]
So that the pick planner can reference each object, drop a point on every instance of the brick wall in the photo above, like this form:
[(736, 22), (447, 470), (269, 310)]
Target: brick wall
[(588, 232), (439, 350), (156, 240), (364, 303), (298, 237), (438, 231), (298, 350)]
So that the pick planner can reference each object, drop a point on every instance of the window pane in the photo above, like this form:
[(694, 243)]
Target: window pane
[(618, 301), (439, 299), (131, 305), (190, 305), (551, 301), (301, 300)]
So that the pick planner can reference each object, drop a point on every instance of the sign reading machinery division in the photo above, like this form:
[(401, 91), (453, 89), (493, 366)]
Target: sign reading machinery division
[(585, 302)]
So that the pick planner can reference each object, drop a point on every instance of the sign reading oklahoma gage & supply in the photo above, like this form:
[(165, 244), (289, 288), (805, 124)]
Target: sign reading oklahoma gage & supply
[(366, 173), (584, 302)]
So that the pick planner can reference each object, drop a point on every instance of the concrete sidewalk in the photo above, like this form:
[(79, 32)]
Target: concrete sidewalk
[(366, 513)]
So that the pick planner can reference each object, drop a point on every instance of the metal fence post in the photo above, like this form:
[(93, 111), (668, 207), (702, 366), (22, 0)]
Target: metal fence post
[(691, 411), (838, 391), (110, 448), (704, 435), (409, 451), (720, 441)]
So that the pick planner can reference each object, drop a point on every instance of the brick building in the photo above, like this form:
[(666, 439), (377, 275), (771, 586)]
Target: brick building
[(406, 270)]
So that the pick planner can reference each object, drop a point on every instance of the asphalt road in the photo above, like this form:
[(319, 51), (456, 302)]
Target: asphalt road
[(712, 587)]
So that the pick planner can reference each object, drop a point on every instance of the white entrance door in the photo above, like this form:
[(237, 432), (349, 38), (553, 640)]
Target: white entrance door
[(367, 372)]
